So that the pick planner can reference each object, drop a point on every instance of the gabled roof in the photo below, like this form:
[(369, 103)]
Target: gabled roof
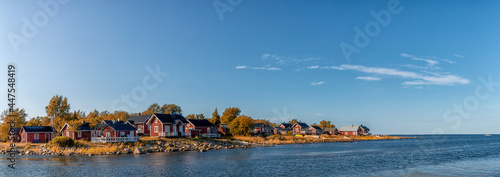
[(349, 128), (364, 127), (315, 127), (286, 125), (17, 130), (122, 127), (83, 127), (303, 125), (30, 129), (139, 118), (200, 122), (329, 129), (258, 125), (269, 127), (168, 118)]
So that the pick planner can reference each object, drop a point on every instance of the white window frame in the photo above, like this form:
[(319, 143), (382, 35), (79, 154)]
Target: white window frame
[(139, 127), (122, 134), (167, 128), (131, 134), (79, 134), (67, 133), (36, 136), (156, 129), (108, 134)]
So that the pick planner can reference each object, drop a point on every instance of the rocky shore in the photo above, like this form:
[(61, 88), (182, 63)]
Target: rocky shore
[(142, 147)]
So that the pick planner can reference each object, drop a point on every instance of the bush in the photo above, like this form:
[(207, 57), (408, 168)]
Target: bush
[(62, 141)]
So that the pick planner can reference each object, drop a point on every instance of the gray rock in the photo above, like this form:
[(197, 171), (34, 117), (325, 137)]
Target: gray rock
[(139, 151)]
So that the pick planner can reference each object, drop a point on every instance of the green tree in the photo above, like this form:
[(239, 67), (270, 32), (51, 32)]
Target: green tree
[(215, 118), (241, 125), (18, 117), (229, 115), (58, 109)]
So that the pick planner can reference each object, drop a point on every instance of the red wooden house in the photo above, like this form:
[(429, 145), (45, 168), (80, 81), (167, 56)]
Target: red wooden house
[(118, 129), (36, 134), (167, 125), (259, 128), (201, 127), (283, 128), (15, 136), (82, 132), (331, 131), (223, 129), (315, 130), (351, 130), (300, 128), (139, 122)]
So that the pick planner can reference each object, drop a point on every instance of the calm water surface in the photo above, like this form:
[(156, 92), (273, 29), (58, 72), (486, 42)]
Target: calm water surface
[(444, 155)]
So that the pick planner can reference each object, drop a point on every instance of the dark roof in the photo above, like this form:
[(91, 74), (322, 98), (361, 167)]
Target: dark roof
[(111, 122), (17, 130), (122, 127), (364, 127), (302, 124), (201, 122), (169, 118), (316, 127), (139, 118), (258, 125), (287, 125), (38, 129), (84, 126)]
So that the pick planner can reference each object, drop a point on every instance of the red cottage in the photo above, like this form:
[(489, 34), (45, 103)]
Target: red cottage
[(259, 128), (167, 125), (36, 134), (202, 128), (331, 131), (139, 122), (315, 130), (82, 132), (116, 132), (223, 129), (300, 128), (15, 136), (351, 130)]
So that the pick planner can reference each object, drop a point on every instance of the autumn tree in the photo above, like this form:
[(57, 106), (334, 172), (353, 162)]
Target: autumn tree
[(58, 109), (39, 121), (326, 124), (266, 122), (18, 117), (293, 121), (241, 125), (215, 118), (190, 116), (229, 115)]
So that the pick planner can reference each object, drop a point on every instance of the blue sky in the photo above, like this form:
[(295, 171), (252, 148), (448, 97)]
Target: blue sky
[(275, 60)]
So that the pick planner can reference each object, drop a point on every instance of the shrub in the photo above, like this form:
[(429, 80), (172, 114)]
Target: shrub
[(63, 141)]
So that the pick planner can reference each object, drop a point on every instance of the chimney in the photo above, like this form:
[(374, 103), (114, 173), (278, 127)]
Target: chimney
[(114, 121)]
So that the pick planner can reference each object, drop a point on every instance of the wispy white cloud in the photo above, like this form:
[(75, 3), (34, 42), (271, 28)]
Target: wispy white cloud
[(317, 83), (282, 60), (429, 61), (368, 78), (459, 56), (313, 67), (419, 79), (267, 68), (241, 67)]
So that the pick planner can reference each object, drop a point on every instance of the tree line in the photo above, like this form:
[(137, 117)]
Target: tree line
[(58, 113)]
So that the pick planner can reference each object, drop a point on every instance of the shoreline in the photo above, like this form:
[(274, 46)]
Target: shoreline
[(157, 145)]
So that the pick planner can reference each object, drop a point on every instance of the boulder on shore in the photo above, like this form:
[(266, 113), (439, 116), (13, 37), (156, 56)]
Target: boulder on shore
[(139, 151)]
